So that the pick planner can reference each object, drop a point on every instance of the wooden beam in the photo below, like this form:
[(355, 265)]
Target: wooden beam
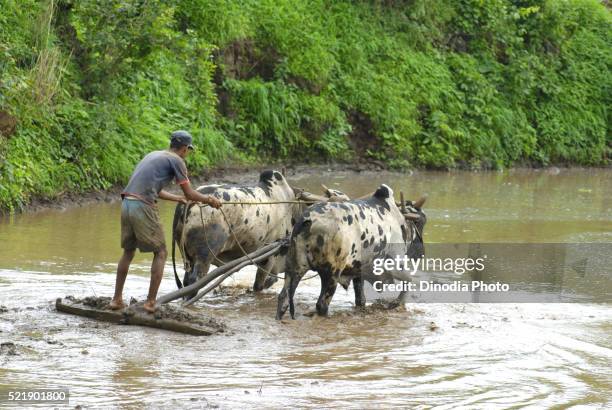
[(231, 266), (136, 315), (228, 274)]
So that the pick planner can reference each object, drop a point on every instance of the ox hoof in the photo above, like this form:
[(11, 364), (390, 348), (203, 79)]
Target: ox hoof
[(322, 311)]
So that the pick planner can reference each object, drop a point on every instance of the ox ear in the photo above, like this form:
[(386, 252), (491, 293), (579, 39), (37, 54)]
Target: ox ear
[(269, 177), (266, 176), (278, 176), (383, 192)]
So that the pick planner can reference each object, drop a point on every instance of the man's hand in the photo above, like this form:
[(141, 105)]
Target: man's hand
[(214, 202), (196, 196)]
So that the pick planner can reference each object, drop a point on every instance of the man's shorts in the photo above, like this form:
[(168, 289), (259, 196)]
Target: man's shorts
[(140, 227)]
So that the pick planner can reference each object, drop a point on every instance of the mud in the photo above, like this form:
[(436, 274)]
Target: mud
[(8, 349), (182, 315), (100, 302), (171, 312), (232, 293)]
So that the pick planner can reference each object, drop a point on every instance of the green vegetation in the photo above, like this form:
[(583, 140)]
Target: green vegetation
[(88, 87)]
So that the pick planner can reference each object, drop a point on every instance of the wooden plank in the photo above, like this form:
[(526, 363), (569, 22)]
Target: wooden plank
[(136, 315)]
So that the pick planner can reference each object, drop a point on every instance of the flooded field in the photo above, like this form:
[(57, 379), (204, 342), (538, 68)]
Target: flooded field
[(426, 355)]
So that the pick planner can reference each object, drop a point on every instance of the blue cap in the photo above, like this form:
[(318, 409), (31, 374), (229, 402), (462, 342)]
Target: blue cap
[(182, 138)]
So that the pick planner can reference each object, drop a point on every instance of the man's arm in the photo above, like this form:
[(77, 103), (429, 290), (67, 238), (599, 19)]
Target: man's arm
[(195, 196), (171, 197)]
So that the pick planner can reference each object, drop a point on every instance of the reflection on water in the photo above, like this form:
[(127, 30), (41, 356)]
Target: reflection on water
[(472, 355)]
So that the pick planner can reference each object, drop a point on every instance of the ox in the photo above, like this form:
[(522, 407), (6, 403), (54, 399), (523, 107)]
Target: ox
[(205, 234), (341, 240)]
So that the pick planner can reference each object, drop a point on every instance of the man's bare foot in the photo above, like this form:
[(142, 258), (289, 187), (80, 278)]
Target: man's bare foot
[(150, 306), (116, 304)]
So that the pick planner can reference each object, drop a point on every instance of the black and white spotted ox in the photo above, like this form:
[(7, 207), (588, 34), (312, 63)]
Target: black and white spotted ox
[(341, 240), (206, 236)]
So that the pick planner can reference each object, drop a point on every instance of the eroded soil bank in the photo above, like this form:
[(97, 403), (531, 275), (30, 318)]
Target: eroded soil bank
[(249, 174)]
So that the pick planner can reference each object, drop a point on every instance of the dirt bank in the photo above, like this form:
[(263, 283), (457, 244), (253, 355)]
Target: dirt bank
[(230, 174), (244, 174)]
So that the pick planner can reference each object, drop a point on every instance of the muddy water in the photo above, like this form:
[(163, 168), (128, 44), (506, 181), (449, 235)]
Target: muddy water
[(445, 355)]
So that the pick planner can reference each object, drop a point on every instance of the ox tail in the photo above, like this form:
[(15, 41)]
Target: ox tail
[(179, 213)]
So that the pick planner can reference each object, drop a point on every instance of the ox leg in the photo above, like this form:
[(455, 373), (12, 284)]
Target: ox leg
[(285, 297), (199, 269), (275, 266), (292, 287), (263, 280), (360, 299), (201, 248), (260, 278), (328, 288), (295, 267)]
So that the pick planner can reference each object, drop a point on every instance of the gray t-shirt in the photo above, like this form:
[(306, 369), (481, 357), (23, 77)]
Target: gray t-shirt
[(154, 172)]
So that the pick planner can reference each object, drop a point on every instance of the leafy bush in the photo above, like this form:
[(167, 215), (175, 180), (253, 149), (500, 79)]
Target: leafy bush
[(462, 83)]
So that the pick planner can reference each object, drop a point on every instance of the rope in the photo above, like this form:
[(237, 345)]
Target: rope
[(264, 203), (247, 255), (181, 242), (206, 240), (240, 246), (182, 248)]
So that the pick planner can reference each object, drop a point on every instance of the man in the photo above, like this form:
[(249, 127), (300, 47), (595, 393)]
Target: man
[(140, 225)]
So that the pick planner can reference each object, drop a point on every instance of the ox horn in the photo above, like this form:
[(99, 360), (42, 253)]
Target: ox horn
[(411, 216), (419, 204), (366, 196)]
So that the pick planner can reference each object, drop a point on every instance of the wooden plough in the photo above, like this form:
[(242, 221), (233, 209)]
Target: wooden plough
[(169, 317)]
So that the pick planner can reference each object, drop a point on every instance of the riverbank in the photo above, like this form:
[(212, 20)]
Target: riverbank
[(230, 174), (249, 175)]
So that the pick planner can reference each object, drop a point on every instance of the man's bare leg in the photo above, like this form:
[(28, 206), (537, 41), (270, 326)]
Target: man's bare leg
[(157, 272), (122, 270)]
